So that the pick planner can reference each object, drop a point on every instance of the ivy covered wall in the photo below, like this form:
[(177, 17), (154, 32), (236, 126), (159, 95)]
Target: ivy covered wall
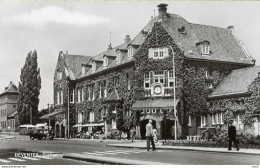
[(123, 80), (246, 105)]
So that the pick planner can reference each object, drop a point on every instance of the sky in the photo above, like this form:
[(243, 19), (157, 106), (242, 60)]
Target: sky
[(83, 28)]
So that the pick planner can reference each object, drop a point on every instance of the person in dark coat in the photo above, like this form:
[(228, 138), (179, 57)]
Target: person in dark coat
[(149, 135), (232, 136)]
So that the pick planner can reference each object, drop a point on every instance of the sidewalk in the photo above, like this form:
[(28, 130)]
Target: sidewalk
[(159, 145), (2, 137)]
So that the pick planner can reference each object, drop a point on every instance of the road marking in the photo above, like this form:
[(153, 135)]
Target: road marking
[(5, 161), (15, 159), (44, 157), (31, 158), (88, 153), (74, 153), (119, 152)]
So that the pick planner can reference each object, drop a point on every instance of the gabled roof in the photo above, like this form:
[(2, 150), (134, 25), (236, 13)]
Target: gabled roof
[(11, 88), (236, 82), (224, 45), (112, 97), (73, 64)]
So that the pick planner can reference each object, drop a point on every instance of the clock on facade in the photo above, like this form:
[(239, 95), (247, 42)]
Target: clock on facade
[(157, 89)]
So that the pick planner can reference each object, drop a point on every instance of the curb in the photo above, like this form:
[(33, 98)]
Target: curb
[(92, 160), (7, 138), (112, 161), (186, 149)]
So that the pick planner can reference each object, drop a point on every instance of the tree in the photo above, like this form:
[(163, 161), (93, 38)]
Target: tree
[(29, 90)]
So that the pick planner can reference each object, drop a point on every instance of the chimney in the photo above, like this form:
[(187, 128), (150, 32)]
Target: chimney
[(11, 82), (231, 27), (127, 39), (162, 8), (109, 47)]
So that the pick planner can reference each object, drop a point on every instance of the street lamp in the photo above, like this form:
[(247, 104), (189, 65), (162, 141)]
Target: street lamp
[(68, 107), (174, 95)]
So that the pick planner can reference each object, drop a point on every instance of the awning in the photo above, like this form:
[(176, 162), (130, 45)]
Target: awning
[(93, 125), (154, 104), (48, 116), (78, 125)]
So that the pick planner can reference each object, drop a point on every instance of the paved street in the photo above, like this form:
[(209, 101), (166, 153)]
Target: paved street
[(100, 150)]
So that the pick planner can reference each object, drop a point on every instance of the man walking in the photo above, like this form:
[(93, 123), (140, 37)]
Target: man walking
[(232, 136), (132, 133), (149, 135)]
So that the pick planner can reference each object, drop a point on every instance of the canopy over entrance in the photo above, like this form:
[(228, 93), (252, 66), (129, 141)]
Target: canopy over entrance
[(157, 103), (51, 115)]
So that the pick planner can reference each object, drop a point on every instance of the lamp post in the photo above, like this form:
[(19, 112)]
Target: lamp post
[(68, 108), (174, 95)]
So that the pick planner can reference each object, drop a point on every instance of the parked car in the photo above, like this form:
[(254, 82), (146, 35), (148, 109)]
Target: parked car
[(38, 134)]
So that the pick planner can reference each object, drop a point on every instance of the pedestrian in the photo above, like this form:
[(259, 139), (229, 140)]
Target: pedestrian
[(132, 133), (218, 130), (232, 133), (149, 135), (155, 136)]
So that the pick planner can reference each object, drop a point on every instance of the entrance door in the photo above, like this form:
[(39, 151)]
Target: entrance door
[(198, 123), (57, 131), (62, 131), (167, 129), (143, 127)]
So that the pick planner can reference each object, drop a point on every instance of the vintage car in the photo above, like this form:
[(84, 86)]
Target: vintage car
[(38, 134)]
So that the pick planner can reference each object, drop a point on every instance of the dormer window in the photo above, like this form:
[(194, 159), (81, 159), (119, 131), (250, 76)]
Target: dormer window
[(118, 57), (205, 49), (83, 70), (130, 52), (94, 66), (59, 75), (105, 62)]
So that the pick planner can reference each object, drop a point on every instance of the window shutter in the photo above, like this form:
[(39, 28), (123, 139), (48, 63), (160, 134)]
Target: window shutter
[(165, 52), (150, 53)]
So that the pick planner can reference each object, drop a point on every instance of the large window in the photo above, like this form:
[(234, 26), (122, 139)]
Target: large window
[(189, 124), (72, 95), (158, 53), (91, 116), (164, 77), (80, 119)]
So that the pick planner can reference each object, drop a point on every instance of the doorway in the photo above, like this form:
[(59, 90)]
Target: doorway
[(167, 129), (198, 123)]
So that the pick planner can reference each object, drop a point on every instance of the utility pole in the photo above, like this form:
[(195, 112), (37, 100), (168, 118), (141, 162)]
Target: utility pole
[(49, 117)]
